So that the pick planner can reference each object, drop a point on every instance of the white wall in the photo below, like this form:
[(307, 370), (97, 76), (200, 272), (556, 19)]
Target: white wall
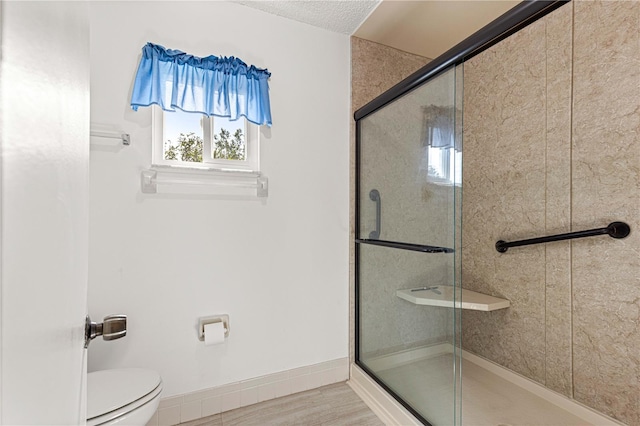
[(278, 268)]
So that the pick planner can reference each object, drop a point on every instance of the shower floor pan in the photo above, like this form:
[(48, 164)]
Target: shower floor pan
[(491, 395), (442, 295)]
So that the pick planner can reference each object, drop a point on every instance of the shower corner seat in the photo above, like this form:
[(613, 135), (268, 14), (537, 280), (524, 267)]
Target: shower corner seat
[(442, 295)]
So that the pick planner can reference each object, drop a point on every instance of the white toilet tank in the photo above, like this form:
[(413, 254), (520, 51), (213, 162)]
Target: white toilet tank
[(126, 396)]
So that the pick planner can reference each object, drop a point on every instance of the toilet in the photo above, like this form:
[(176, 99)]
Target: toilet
[(126, 396)]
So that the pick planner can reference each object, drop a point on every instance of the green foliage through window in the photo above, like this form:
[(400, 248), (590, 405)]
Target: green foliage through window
[(189, 147), (226, 147)]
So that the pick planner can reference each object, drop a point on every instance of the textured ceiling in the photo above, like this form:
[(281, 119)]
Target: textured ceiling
[(338, 16), (427, 28)]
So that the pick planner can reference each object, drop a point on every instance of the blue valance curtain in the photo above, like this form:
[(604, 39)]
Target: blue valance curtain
[(223, 87)]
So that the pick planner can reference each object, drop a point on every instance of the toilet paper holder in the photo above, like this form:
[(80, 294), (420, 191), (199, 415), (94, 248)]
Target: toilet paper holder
[(210, 320)]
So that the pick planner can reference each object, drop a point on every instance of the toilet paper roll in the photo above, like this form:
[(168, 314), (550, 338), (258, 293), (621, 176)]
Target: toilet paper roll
[(214, 333)]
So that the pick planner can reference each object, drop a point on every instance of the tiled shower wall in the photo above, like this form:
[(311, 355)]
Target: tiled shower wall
[(374, 69), (551, 145), (414, 210)]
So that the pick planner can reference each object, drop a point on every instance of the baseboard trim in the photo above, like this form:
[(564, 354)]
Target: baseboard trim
[(207, 402)]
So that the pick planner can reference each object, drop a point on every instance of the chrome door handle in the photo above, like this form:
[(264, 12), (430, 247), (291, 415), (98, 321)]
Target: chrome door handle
[(113, 327)]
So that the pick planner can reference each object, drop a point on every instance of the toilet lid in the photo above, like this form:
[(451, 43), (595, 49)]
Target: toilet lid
[(110, 390)]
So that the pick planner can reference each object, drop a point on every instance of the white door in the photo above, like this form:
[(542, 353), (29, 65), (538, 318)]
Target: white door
[(44, 146)]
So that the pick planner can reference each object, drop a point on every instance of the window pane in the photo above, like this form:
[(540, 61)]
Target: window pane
[(229, 139), (183, 136), (436, 168)]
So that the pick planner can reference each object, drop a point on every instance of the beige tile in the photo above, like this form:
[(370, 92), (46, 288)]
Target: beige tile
[(200, 395), (266, 392), (231, 387), (282, 388), (300, 384), (606, 187), (588, 344), (170, 402), (504, 199), (224, 389), (558, 356), (340, 363), (231, 401), (309, 369), (248, 396), (589, 337), (212, 405), (190, 411), (335, 375), (317, 379), (374, 69), (270, 378), (169, 416)]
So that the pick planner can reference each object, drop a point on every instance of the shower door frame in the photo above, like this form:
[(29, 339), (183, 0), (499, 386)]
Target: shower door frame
[(506, 25)]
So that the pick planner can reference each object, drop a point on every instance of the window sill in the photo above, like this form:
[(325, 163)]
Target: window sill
[(443, 183), (203, 180)]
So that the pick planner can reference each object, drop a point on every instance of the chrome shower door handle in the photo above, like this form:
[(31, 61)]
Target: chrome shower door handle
[(113, 327), (374, 195)]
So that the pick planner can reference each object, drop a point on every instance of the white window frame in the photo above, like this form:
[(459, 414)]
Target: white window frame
[(252, 141), (449, 159)]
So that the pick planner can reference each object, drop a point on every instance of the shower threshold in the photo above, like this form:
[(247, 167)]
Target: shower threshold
[(491, 394)]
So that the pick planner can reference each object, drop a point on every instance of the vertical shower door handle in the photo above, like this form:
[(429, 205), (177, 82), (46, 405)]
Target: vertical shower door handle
[(374, 195)]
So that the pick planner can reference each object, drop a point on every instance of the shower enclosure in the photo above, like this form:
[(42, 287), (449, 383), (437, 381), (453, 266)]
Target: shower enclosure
[(409, 298), (409, 192)]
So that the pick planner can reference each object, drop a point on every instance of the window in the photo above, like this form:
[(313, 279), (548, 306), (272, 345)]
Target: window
[(193, 140), (442, 153), (198, 152), (444, 165)]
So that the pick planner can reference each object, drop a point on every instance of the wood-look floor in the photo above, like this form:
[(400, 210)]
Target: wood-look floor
[(329, 405)]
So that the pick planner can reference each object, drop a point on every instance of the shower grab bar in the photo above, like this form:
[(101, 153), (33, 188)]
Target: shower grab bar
[(406, 246), (614, 230), (374, 195)]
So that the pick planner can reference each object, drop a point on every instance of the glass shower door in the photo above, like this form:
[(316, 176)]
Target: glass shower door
[(408, 248)]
